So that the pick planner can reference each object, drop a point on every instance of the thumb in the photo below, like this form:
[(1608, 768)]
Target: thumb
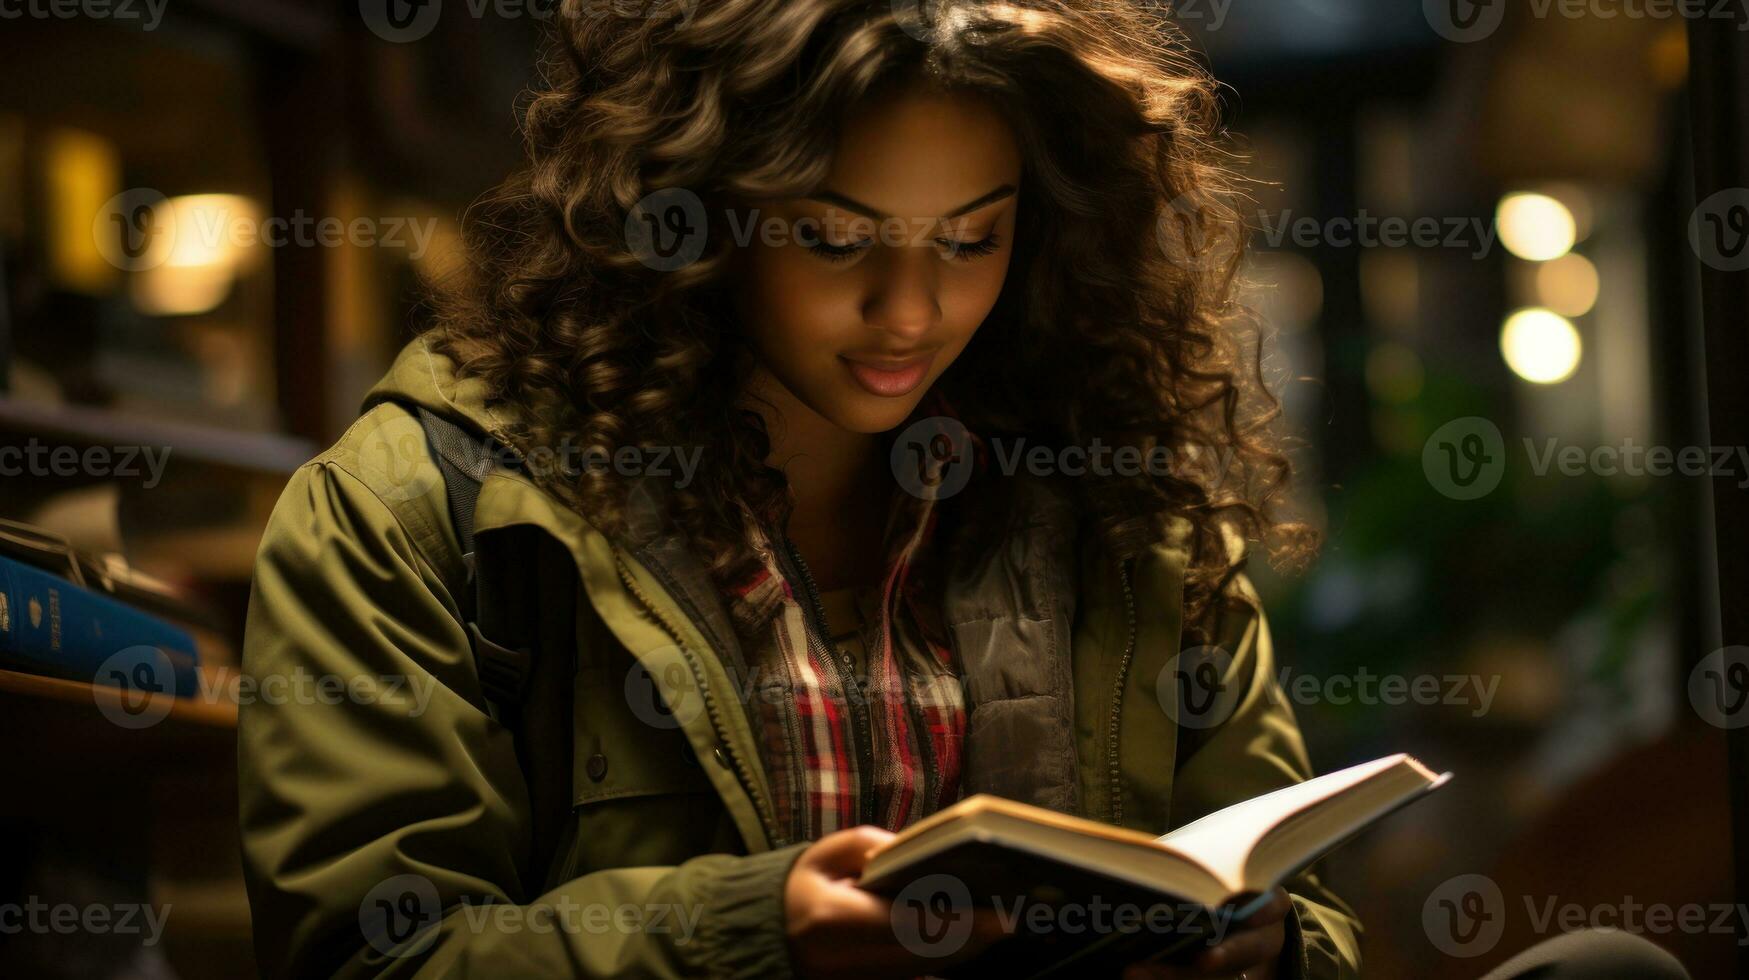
[(844, 853)]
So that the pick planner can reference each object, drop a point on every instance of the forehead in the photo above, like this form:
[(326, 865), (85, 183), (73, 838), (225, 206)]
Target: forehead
[(921, 151)]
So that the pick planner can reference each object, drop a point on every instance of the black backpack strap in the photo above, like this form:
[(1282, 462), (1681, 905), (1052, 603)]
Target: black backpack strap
[(501, 620), (520, 610)]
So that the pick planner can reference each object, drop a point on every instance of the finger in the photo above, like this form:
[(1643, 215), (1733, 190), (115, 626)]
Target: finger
[(987, 929), (1277, 909), (1239, 952), (843, 853)]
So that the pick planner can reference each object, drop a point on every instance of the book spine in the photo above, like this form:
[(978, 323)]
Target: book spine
[(50, 626)]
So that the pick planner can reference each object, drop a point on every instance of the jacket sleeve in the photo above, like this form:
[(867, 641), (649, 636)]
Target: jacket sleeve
[(1256, 748), (383, 814)]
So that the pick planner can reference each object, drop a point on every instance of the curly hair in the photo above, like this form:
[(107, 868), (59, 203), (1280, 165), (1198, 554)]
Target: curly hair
[(1119, 320)]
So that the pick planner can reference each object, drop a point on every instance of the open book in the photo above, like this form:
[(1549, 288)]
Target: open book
[(993, 851)]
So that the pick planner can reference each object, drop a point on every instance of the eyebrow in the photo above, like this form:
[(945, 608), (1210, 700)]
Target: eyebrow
[(833, 197)]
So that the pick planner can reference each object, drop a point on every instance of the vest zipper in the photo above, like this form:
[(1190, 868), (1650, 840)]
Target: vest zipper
[(862, 732), (1123, 669), (761, 806)]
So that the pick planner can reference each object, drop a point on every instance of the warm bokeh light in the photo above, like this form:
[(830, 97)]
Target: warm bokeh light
[(81, 171), (1536, 226), (212, 238), (1540, 345), (1568, 285)]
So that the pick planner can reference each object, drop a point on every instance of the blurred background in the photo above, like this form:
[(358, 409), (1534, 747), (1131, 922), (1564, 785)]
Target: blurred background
[(1477, 245)]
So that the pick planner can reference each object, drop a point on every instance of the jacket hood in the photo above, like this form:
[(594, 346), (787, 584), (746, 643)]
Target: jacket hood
[(422, 376)]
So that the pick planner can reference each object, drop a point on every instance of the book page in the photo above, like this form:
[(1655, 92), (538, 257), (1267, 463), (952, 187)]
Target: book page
[(1223, 841)]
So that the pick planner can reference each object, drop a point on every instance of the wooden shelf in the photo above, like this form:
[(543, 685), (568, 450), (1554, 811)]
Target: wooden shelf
[(20, 690), (256, 453)]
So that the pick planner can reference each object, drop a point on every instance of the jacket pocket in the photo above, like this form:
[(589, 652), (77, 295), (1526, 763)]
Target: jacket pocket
[(640, 795)]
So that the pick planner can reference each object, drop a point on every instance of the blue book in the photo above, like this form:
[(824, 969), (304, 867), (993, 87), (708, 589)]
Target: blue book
[(50, 626)]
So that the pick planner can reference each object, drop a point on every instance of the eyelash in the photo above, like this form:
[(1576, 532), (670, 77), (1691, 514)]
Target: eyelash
[(963, 251)]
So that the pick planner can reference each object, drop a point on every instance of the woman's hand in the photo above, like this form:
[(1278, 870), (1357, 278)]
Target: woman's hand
[(836, 929), (1250, 949)]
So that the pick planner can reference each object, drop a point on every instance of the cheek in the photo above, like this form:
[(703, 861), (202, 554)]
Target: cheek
[(791, 308), (971, 296)]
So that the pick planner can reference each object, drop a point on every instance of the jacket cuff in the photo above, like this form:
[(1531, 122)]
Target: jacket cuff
[(743, 923)]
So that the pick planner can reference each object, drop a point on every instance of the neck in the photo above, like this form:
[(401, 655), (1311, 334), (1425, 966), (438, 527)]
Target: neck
[(830, 469)]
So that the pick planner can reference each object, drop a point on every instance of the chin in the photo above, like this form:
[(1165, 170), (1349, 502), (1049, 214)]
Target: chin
[(871, 414)]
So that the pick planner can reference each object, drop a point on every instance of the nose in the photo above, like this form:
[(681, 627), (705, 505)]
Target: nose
[(903, 298)]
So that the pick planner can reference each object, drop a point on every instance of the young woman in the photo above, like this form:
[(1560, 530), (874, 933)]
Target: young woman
[(878, 425)]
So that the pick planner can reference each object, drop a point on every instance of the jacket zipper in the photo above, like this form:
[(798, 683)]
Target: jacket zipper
[(1123, 669), (761, 806), (862, 731)]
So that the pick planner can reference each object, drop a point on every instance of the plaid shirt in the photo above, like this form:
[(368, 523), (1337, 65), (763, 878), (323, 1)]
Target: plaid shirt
[(907, 714)]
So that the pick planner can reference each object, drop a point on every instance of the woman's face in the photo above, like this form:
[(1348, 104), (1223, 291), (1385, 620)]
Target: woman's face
[(860, 296)]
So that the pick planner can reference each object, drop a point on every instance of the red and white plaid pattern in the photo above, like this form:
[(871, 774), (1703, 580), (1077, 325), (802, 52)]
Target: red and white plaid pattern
[(915, 703)]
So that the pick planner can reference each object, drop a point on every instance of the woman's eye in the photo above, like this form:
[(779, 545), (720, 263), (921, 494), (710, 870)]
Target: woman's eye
[(967, 251), (837, 253)]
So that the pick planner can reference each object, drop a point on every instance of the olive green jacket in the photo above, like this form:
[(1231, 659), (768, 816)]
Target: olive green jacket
[(378, 794)]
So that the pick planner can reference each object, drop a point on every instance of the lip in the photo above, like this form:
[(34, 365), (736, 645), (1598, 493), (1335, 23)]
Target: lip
[(889, 377)]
